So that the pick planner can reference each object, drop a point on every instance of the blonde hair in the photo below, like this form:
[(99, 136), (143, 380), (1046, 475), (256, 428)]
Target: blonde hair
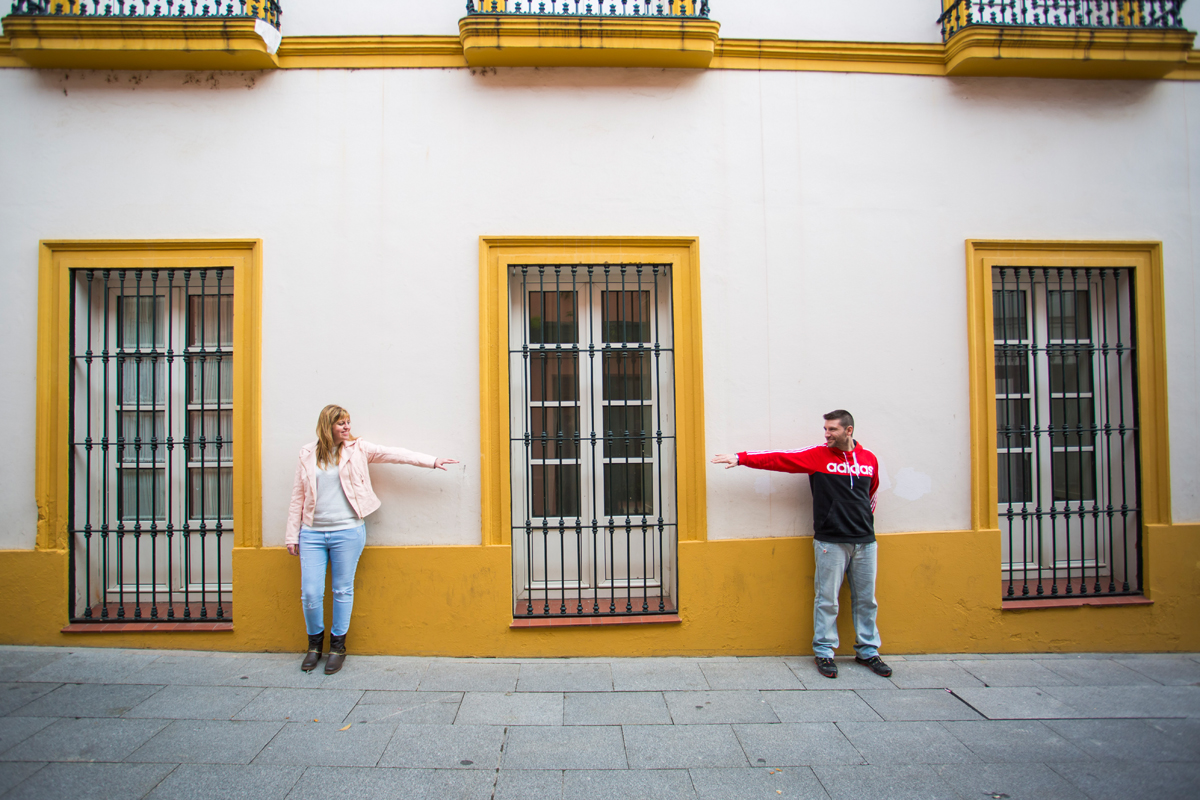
[(327, 453)]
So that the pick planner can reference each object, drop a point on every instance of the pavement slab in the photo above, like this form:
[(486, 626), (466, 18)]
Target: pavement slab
[(530, 784), (327, 744), (1096, 672), (1120, 780), (195, 702), (301, 705), (603, 784), (682, 746), (410, 708), (14, 730), (94, 666), (1015, 781), (13, 772), (1015, 741), (906, 743), (933, 675), (510, 708), (1184, 733), (1130, 701), (1168, 670), (714, 708), (742, 783), (796, 744), (1124, 740), (894, 782), (207, 742), (91, 782), (445, 747), (87, 739), (14, 696), (394, 673), (751, 674), (87, 700), (323, 783), (615, 708), (565, 678), (917, 704), (196, 669), (1016, 702), (657, 675), (1016, 672), (17, 663), (462, 675), (835, 706), (568, 747), (227, 782)]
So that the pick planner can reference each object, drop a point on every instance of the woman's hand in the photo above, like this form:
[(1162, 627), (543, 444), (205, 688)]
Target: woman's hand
[(442, 462), (293, 549)]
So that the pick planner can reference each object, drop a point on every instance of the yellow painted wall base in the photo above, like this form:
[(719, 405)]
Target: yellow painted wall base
[(996, 51), (938, 592)]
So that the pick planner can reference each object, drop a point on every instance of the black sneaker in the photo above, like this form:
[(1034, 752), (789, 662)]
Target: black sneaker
[(826, 667), (876, 665)]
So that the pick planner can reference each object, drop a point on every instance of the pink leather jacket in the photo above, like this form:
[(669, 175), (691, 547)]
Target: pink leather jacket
[(356, 480)]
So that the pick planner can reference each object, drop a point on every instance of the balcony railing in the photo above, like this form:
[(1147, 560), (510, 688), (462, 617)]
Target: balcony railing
[(267, 10), (1121, 14), (575, 8)]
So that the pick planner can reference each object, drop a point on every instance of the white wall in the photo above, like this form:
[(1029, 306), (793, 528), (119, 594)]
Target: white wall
[(862, 20), (832, 211)]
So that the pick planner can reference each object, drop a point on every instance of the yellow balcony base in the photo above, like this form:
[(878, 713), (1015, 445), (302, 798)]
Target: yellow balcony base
[(489, 41), (108, 43), (995, 51)]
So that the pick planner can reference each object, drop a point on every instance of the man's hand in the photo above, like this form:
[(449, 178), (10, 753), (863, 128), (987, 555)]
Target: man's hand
[(442, 462), (730, 460)]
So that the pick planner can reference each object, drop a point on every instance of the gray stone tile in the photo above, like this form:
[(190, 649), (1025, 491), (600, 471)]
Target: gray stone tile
[(1131, 701), (657, 674), (844, 706), (734, 783), (580, 747), (1121, 740), (93, 665), (682, 746), (445, 747), (899, 782), (13, 772), (570, 677), (529, 784), (850, 676), (950, 656), (198, 669), (765, 673), (917, 704), (1168, 670), (88, 781), (227, 782), (195, 702), (407, 708), (615, 708), (933, 675), (1183, 733), (603, 784), (715, 708), (469, 676), (1011, 741), (14, 730), (508, 708), (1120, 780), (207, 742), (15, 695), (905, 743), (87, 700), (1016, 702), (1016, 781), (1096, 672), (275, 671), (393, 673), (16, 663), (90, 739), (796, 744), (326, 744), (322, 783), (301, 705), (1013, 673)]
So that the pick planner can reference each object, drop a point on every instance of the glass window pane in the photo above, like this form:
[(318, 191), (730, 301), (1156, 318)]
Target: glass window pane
[(625, 316), (144, 437), (1012, 424), (554, 376), (627, 375), (1012, 370), (628, 432), (1070, 369), (210, 378), (1015, 478), (143, 494), (554, 432), (1072, 421), (628, 490), (210, 493), (552, 318), (210, 319), (204, 427), (142, 380), (1070, 317), (140, 322), (1074, 475), (555, 490), (1008, 315)]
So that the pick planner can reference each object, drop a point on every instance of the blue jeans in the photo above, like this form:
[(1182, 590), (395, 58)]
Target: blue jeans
[(835, 562), (317, 550)]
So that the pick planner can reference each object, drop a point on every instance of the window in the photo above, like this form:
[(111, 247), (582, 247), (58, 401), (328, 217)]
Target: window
[(593, 442)]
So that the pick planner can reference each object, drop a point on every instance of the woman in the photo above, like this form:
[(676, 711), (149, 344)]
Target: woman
[(330, 498)]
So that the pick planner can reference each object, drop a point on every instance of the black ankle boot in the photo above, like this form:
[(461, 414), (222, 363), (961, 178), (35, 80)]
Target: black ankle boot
[(337, 653), (315, 643)]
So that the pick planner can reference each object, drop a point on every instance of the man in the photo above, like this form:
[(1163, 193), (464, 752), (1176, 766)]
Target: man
[(843, 477)]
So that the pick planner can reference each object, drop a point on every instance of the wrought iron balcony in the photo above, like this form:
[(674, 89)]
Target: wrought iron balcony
[(1106, 14), (576, 8), (267, 10)]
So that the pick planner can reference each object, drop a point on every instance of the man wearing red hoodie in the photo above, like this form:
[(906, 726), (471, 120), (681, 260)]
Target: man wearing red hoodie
[(843, 477)]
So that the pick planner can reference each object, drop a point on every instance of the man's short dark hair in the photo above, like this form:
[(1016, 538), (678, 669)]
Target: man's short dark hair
[(843, 417)]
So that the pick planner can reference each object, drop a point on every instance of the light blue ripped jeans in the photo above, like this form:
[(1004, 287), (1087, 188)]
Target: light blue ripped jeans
[(317, 550), (855, 562)]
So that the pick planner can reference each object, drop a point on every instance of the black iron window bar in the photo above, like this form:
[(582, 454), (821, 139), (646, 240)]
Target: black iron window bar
[(575, 8), (151, 516), (1067, 432), (268, 10), (593, 446), (1132, 14)]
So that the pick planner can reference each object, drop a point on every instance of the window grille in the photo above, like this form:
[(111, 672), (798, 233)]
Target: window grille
[(591, 369), (1067, 432), (151, 444)]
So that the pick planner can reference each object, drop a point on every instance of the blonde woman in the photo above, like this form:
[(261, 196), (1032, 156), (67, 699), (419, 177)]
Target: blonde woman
[(330, 498)]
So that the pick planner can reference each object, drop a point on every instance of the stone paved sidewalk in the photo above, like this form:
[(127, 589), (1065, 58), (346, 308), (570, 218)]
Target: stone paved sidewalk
[(91, 723)]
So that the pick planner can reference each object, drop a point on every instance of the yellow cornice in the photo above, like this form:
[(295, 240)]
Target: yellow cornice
[(878, 57), (365, 52)]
